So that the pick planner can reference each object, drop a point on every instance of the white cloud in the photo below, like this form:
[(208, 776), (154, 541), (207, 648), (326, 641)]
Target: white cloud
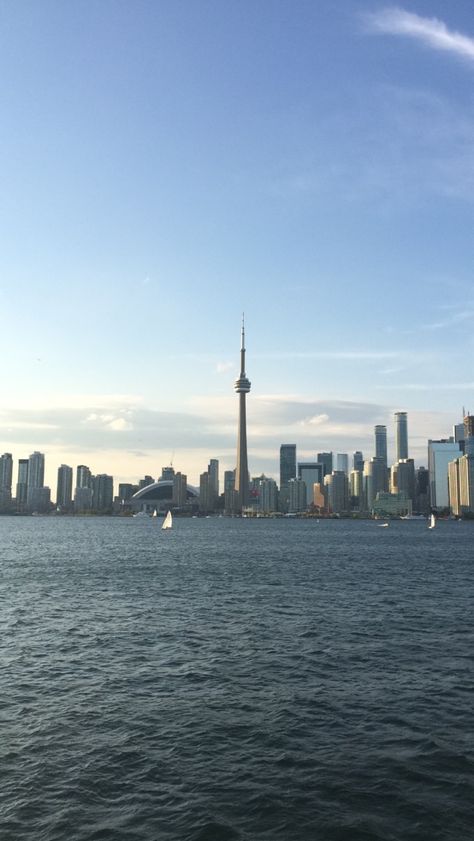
[(430, 31), (120, 425), (222, 367)]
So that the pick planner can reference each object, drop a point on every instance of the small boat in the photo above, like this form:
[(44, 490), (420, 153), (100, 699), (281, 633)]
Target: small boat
[(168, 521), (155, 513), (382, 525), (432, 522), (141, 514)]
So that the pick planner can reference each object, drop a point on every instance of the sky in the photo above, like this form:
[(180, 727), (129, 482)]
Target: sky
[(167, 165)]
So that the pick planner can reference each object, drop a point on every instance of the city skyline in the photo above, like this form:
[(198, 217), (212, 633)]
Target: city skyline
[(167, 168)]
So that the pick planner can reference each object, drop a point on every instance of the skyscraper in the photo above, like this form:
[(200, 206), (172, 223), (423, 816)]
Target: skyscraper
[(242, 387), (287, 463), (6, 472), (326, 460), (64, 489), (22, 485), (342, 463), (357, 460), (401, 435), (37, 496), (381, 443)]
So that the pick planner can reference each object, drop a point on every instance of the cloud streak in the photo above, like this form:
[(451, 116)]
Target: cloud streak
[(430, 31)]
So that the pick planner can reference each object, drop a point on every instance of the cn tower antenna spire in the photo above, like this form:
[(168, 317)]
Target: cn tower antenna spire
[(242, 387)]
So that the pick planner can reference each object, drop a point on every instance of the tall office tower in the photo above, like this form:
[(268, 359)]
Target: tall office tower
[(22, 485), (375, 480), (213, 471), (64, 489), (337, 486), (242, 387), (453, 487), (357, 460), (229, 492), (6, 474), (180, 483), (83, 477), (466, 484), (440, 453), (402, 477), (204, 504), (422, 491), (401, 435), (287, 463), (356, 480), (458, 434), (102, 493), (326, 460), (381, 442), (469, 435), (312, 473), (342, 463)]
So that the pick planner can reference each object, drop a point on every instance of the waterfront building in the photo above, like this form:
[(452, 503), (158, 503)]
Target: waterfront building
[(22, 485), (229, 491), (83, 477), (311, 472), (242, 387), (102, 493), (401, 435), (392, 504), (180, 484), (440, 453), (213, 471), (265, 494), (356, 480), (326, 460), (402, 477), (319, 499), (337, 488), (126, 491), (342, 463), (297, 496), (204, 501), (64, 488), (422, 491), (380, 432), (6, 477), (37, 496), (82, 500), (287, 463), (461, 485), (375, 480)]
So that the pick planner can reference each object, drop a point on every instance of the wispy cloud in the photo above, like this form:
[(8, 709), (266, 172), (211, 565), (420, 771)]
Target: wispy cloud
[(430, 31)]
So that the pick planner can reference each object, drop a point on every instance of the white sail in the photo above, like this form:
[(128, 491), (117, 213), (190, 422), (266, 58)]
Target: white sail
[(155, 513), (432, 522), (168, 521)]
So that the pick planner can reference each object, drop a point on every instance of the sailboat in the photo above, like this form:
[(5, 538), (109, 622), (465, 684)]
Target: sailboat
[(432, 522), (168, 521), (155, 513)]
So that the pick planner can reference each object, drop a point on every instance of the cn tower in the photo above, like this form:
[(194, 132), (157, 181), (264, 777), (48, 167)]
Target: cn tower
[(242, 387)]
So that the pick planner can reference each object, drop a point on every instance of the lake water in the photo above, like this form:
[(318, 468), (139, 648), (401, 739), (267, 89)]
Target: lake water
[(236, 679)]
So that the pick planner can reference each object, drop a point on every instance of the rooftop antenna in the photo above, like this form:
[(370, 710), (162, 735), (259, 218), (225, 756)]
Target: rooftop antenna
[(171, 459)]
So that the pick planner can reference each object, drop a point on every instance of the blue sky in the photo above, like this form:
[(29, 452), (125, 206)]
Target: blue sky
[(166, 165)]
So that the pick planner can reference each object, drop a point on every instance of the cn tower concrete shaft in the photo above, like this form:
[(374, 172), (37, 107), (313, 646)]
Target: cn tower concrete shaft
[(242, 387)]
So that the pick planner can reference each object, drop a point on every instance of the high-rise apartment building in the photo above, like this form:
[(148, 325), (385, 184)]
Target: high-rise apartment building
[(64, 488), (213, 471), (461, 485), (469, 435), (296, 496), (401, 435), (242, 387), (22, 485), (83, 477), (38, 497), (337, 489), (375, 480), (6, 476), (180, 484), (102, 493)]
